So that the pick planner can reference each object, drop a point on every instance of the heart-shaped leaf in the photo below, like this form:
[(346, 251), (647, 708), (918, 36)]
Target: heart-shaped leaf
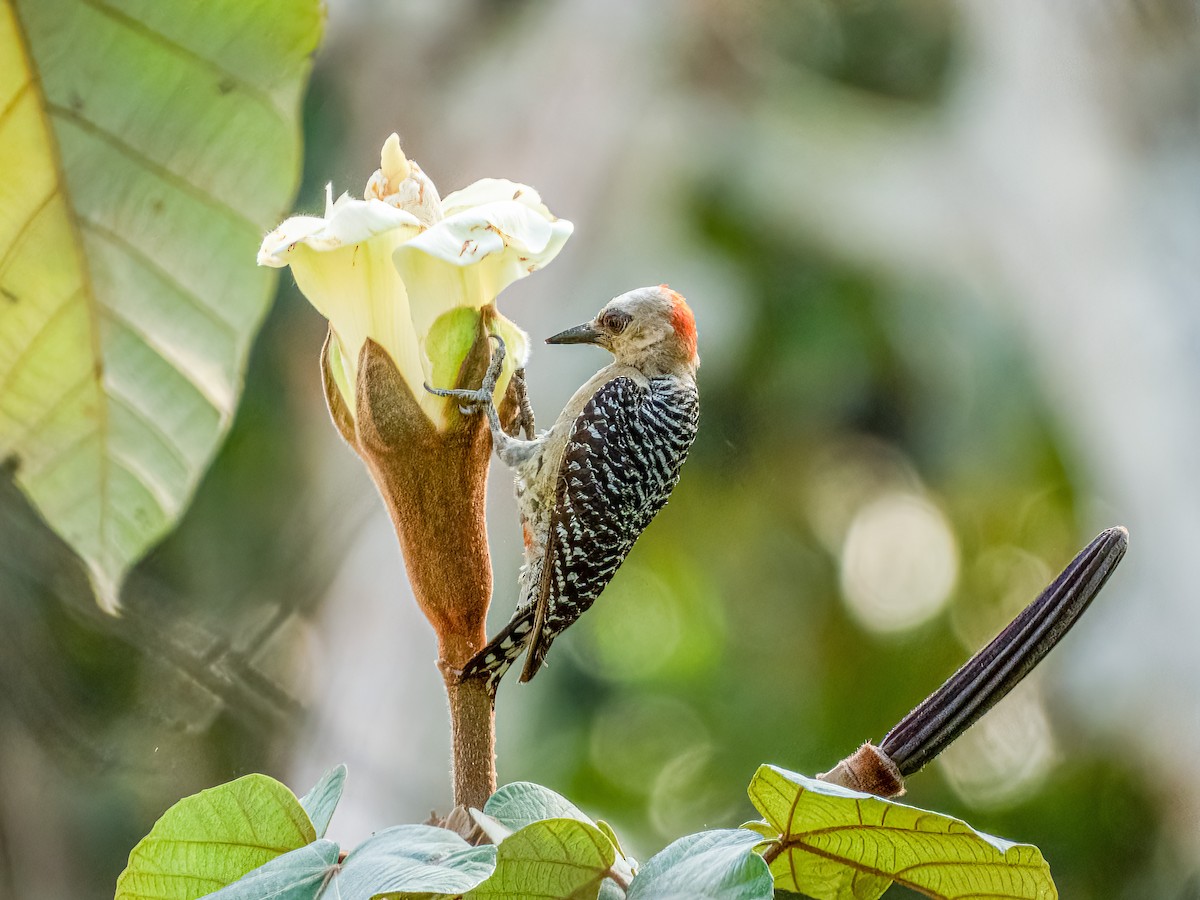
[(213, 838), (833, 843), (712, 865), (523, 802), (562, 858)]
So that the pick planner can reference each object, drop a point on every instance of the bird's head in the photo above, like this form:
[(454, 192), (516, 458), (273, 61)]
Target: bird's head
[(650, 328)]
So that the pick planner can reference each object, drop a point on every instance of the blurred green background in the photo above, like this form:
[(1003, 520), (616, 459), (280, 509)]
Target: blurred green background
[(943, 261)]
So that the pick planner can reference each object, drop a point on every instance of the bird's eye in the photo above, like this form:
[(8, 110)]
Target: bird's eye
[(614, 321)]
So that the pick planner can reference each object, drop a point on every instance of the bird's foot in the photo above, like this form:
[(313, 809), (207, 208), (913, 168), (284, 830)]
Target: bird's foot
[(477, 400), (523, 424)]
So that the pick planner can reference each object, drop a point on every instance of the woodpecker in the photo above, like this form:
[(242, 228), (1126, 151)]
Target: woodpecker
[(591, 484)]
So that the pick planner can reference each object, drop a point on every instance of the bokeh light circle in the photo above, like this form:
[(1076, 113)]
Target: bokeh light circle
[(899, 562)]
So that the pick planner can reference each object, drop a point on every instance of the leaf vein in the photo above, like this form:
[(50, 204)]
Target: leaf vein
[(151, 839), (964, 863), (194, 299), (139, 157), (14, 100), (858, 866), (224, 75), (161, 436), (64, 305), (39, 466), (21, 235), (119, 319), (55, 407)]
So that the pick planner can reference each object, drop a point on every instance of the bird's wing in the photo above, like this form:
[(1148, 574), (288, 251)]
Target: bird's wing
[(618, 469)]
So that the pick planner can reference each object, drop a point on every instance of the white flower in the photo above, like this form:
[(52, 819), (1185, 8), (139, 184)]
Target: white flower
[(411, 271)]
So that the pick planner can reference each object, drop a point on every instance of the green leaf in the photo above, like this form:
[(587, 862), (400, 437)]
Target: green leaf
[(836, 844), (555, 859), (213, 838), (144, 149), (299, 875), (563, 859), (323, 799), (712, 865), (413, 858), (761, 828), (624, 864), (523, 802), (611, 835)]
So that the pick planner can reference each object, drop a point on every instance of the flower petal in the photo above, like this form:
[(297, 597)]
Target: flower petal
[(357, 220), (343, 377), (342, 263), (347, 221), (275, 246), (400, 182), (469, 258), (493, 190), (516, 343), (358, 290)]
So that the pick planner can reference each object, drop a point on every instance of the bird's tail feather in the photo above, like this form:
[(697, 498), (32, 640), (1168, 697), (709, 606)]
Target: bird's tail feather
[(502, 651), (539, 646), (537, 656)]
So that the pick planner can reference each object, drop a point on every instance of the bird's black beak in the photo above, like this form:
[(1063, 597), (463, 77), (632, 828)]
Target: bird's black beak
[(586, 333)]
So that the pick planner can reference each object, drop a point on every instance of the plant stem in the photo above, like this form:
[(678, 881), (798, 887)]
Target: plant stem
[(472, 740), (772, 853)]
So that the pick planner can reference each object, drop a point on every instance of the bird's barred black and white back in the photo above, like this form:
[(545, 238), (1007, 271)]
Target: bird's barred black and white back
[(619, 467)]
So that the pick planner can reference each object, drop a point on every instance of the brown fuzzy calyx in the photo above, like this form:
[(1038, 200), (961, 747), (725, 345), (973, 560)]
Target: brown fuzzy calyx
[(433, 483), (868, 770)]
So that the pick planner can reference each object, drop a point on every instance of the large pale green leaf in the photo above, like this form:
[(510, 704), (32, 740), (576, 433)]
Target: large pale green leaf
[(144, 148), (836, 844), (211, 839), (712, 865)]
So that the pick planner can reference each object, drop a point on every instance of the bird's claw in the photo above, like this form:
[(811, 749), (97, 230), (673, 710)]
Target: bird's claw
[(473, 401), (524, 422), (470, 401)]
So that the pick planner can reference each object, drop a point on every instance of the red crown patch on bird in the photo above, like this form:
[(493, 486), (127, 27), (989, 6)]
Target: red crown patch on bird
[(682, 319)]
